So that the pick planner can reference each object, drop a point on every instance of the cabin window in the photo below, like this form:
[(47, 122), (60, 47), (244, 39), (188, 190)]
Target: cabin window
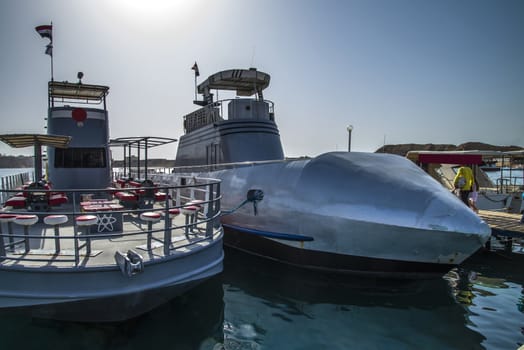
[(80, 158)]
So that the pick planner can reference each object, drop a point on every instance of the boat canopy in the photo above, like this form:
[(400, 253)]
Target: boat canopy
[(37, 141), (246, 82), (65, 91), (453, 157), (139, 143), (27, 140)]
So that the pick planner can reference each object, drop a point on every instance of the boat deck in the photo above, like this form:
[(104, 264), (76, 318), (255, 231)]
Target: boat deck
[(155, 229), (134, 236)]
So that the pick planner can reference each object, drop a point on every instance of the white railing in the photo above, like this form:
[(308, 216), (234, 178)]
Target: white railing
[(72, 241), (218, 111)]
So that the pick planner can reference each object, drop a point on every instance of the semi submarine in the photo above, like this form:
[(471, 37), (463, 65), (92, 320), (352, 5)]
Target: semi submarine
[(345, 212)]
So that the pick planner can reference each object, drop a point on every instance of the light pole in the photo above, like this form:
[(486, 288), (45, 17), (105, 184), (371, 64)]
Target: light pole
[(349, 128)]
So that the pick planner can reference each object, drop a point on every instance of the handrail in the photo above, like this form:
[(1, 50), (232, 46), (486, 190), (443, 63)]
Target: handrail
[(215, 112), (234, 165), (10, 182), (79, 245)]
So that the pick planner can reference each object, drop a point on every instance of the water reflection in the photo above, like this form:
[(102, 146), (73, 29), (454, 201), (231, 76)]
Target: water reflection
[(270, 306), (186, 322), (490, 287), (259, 304)]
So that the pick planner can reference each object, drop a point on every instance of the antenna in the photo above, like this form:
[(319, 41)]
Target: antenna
[(253, 56)]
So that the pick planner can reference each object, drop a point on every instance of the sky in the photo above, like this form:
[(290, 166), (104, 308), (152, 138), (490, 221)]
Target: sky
[(398, 71)]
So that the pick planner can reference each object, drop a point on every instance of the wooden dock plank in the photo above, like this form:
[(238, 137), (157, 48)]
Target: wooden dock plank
[(503, 224)]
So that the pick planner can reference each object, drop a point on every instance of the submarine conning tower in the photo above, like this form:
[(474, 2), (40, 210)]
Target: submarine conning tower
[(79, 110), (231, 130)]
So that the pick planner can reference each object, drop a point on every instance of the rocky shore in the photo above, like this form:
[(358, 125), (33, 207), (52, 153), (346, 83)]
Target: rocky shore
[(403, 149)]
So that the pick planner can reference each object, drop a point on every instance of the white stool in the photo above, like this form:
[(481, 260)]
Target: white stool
[(196, 202), (190, 211), (56, 221), (150, 217), (7, 218), (26, 221), (84, 222)]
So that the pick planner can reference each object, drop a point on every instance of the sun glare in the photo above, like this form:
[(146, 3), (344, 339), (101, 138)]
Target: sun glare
[(156, 8)]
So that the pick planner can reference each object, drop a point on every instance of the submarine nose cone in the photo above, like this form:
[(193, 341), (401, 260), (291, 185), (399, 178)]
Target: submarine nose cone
[(445, 212), (388, 189)]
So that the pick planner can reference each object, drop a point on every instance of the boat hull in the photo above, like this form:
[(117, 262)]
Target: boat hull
[(351, 213), (105, 294), (384, 265)]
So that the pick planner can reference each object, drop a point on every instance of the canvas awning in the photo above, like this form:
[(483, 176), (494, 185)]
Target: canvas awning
[(36, 141), (246, 82), (67, 91), (27, 140), (452, 157)]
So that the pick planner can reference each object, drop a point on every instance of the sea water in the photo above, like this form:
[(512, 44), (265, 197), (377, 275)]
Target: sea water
[(259, 304)]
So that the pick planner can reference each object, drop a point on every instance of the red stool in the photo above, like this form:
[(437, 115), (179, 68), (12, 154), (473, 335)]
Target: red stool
[(84, 222), (7, 218), (190, 211), (151, 217), (26, 221), (196, 202), (56, 221), (173, 212)]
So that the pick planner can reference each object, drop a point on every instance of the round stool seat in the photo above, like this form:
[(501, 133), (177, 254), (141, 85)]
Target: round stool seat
[(196, 202), (7, 217), (173, 212), (86, 220), (55, 219), (150, 216), (189, 210), (26, 220)]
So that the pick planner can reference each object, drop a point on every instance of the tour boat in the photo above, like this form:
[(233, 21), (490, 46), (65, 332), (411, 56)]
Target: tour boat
[(75, 246)]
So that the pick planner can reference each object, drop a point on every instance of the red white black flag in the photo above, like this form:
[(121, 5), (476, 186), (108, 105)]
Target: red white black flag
[(45, 31)]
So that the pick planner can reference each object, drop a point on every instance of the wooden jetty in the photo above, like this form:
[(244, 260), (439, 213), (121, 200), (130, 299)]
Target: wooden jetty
[(503, 224), (506, 228)]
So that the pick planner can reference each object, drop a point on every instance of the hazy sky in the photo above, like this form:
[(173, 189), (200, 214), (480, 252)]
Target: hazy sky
[(403, 71)]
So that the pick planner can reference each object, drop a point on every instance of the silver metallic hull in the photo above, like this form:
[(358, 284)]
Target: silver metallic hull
[(370, 213)]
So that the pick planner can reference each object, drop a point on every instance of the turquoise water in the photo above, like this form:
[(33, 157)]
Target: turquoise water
[(258, 304)]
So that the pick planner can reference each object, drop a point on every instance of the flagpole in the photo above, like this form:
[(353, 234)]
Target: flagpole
[(195, 87), (52, 54), (197, 73)]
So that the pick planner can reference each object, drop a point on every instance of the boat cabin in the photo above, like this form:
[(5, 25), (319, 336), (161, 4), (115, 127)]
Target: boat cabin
[(79, 111), (231, 130)]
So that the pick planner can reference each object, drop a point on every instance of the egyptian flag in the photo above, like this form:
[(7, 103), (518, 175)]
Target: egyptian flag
[(195, 68), (45, 31)]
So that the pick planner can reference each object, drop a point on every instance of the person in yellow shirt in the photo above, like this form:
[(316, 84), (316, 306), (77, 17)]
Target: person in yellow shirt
[(463, 182)]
